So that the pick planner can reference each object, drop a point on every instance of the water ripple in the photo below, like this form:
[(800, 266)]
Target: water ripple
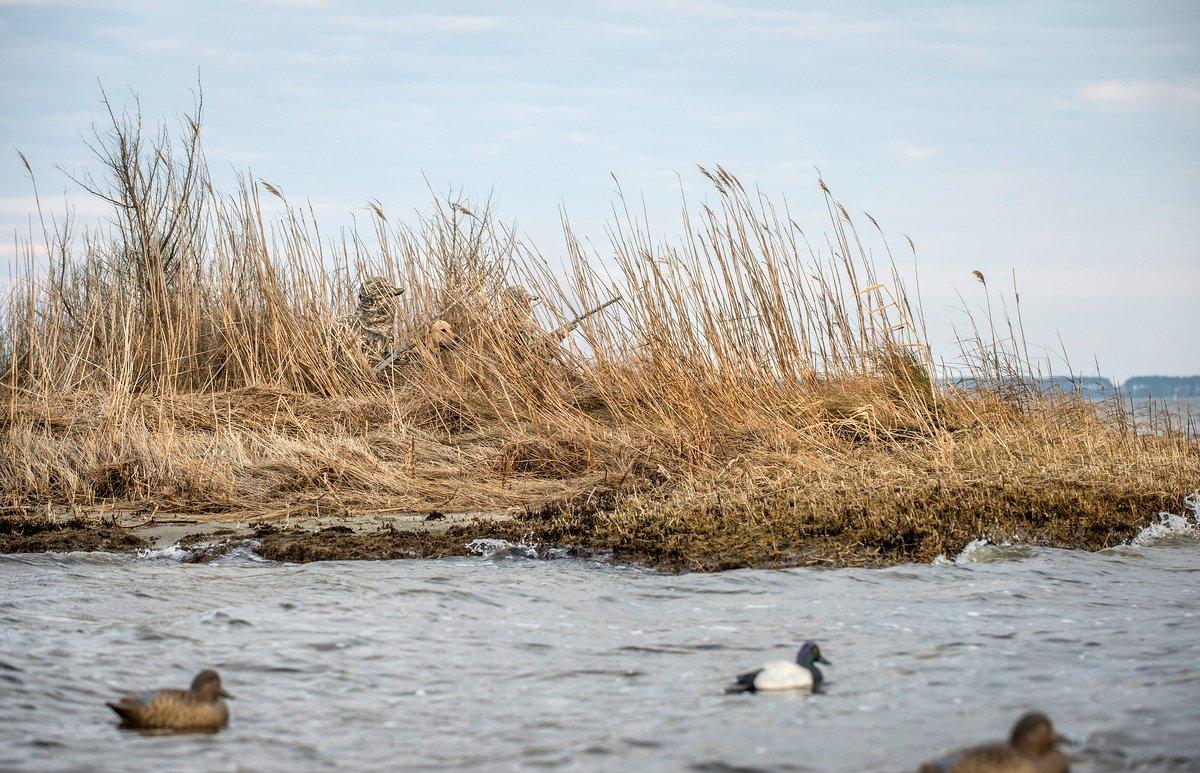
[(500, 661)]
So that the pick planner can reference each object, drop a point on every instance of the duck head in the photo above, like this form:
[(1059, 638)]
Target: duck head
[(810, 654), (207, 685), (1034, 735)]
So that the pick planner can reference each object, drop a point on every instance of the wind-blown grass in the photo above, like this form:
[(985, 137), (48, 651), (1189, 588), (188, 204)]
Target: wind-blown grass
[(752, 399)]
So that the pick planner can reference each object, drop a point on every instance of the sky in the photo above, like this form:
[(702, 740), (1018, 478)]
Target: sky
[(1056, 140)]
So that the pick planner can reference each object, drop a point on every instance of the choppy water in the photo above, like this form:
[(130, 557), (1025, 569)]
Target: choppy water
[(503, 662)]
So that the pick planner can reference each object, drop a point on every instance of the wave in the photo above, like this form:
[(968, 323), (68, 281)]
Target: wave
[(242, 551), (981, 551), (1166, 529), (500, 548), (169, 553), (1170, 528)]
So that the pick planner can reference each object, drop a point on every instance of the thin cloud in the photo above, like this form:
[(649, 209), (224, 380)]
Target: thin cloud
[(907, 151), (1133, 93), (419, 23), (725, 12), (583, 138), (788, 22), (19, 209), (295, 3)]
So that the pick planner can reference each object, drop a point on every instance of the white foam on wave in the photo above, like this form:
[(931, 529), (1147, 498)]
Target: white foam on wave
[(500, 548), (982, 551), (169, 553), (1170, 527), (972, 552), (1167, 528), (241, 552)]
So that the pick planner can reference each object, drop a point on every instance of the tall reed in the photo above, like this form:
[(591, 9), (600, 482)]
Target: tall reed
[(195, 355)]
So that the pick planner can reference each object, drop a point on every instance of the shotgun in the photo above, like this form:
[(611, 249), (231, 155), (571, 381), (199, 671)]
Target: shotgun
[(562, 331)]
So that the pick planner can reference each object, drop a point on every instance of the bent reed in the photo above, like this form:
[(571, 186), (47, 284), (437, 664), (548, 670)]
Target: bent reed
[(754, 399)]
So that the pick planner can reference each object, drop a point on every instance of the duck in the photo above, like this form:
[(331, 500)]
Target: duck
[(197, 709), (803, 674), (1031, 748)]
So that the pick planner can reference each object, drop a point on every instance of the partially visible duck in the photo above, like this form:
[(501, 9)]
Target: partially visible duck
[(199, 708), (784, 674), (1031, 748)]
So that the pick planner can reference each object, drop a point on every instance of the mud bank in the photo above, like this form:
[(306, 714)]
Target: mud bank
[(712, 539), (45, 535), (427, 535)]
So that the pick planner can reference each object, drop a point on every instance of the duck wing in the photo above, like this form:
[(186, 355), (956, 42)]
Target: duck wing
[(130, 703), (744, 682), (152, 709), (987, 758), (184, 710)]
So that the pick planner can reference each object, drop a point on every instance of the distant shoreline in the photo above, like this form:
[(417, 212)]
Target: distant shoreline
[(1161, 386), (1134, 388)]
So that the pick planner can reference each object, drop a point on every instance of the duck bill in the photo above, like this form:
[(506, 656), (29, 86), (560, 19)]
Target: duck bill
[(1062, 739), (225, 695), (826, 662)]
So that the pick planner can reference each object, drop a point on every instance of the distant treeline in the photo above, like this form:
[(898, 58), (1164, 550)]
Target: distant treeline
[(1098, 386), (1162, 386), (1089, 386)]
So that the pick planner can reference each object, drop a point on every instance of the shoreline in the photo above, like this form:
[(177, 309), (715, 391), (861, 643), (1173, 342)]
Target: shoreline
[(431, 535), (734, 398), (400, 535)]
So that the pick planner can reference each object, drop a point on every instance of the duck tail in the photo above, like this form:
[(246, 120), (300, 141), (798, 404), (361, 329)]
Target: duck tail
[(124, 710), (744, 683)]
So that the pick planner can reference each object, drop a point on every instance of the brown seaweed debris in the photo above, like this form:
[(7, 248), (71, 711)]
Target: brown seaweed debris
[(787, 525), (341, 543), (23, 534)]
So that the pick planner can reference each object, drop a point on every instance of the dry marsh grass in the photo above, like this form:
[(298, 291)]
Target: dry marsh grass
[(754, 398)]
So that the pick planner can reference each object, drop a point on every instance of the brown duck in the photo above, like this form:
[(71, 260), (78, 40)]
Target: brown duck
[(199, 708), (1030, 749)]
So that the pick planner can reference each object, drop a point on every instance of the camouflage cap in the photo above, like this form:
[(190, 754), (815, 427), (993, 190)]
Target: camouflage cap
[(518, 296), (378, 287)]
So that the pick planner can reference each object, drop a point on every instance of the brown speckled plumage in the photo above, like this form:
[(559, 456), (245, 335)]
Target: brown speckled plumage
[(1030, 749), (199, 708)]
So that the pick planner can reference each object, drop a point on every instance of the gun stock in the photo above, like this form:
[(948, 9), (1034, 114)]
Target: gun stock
[(394, 355), (411, 344)]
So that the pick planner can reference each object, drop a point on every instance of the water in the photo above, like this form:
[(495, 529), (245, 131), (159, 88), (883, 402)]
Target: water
[(505, 661), (1184, 412)]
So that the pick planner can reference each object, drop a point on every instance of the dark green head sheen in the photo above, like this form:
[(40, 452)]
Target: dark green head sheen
[(810, 654)]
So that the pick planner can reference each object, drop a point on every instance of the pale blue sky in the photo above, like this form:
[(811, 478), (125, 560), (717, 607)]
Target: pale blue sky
[(1061, 140)]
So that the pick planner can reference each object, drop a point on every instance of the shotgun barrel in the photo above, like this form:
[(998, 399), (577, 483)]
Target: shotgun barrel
[(562, 331)]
